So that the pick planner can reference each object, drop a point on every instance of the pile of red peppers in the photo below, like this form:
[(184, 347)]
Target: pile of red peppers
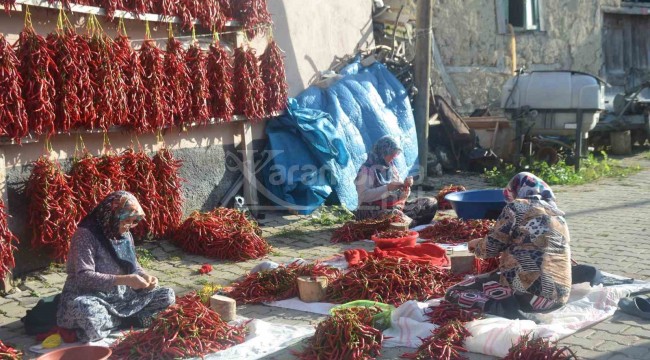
[(222, 233), (186, 329)]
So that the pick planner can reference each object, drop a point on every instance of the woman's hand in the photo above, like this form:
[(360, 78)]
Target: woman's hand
[(133, 281), (395, 185), (408, 182), (471, 245), (152, 280), (405, 193)]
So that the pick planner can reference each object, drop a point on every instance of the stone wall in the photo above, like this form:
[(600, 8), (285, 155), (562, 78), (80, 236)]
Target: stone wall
[(477, 57)]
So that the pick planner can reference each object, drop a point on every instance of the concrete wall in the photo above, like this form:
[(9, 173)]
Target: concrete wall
[(313, 34), (478, 58)]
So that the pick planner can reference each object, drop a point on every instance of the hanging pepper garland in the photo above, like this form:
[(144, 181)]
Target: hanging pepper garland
[(88, 183), (111, 165), (38, 70), (138, 170), (274, 78), (226, 8), (158, 115), (210, 15), (9, 5), (186, 10), (253, 14), (177, 81), (7, 247), (249, 87), (219, 72), (110, 96), (168, 186), (136, 93), (199, 87), (110, 6), (52, 208), (13, 117)]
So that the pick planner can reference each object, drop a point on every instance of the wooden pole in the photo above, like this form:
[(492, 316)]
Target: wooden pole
[(422, 76), (513, 48)]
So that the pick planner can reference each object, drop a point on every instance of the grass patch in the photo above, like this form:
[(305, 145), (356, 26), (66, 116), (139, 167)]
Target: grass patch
[(646, 155), (145, 258), (201, 282), (291, 232), (331, 215), (591, 169)]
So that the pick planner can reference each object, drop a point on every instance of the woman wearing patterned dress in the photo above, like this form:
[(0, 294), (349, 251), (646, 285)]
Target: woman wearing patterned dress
[(106, 288), (382, 193), (531, 238)]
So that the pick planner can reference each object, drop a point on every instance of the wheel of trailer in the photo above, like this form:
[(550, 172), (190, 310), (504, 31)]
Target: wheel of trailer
[(548, 155)]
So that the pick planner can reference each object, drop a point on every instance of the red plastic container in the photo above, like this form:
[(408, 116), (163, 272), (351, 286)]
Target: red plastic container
[(87, 352), (396, 243)]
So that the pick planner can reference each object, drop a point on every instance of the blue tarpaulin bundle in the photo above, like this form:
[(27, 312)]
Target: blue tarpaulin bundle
[(318, 146)]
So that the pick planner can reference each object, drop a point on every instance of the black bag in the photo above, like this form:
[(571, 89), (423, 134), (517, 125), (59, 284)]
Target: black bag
[(42, 318)]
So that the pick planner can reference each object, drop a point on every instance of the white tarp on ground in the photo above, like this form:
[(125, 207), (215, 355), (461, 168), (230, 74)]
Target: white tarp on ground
[(263, 339), (494, 335)]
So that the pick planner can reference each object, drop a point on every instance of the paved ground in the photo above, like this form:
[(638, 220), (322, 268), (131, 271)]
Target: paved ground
[(609, 228)]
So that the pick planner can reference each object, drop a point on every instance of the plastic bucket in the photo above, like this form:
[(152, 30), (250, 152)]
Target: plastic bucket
[(477, 204), (88, 352)]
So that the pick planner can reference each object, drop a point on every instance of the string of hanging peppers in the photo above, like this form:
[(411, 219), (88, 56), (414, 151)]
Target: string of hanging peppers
[(52, 209), (7, 245), (220, 77), (273, 76), (38, 70), (169, 213), (199, 92), (177, 81), (13, 117), (249, 87)]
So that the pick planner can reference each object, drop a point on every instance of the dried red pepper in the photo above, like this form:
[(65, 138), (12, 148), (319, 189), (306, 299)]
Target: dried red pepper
[(199, 87), (455, 231), (220, 77), (248, 85), (445, 343), (140, 181), (347, 334), (277, 284), (275, 80), (74, 91), (166, 7), (253, 14), (185, 330), (110, 6), (110, 165), (446, 312), (128, 62), (7, 247), (110, 98), (210, 16), (9, 5), (9, 353), (38, 70), (226, 8), (158, 115), (443, 204), (362, 229), (222, 234), (177, 81), (205, 269), (52, 208), (13, 117), (169, 212), (538, 348), (390, 280), (88, 183)]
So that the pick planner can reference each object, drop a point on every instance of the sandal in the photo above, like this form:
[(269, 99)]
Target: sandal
[(637, 306)]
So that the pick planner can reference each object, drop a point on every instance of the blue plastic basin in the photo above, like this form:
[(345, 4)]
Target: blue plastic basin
[(477, 204)]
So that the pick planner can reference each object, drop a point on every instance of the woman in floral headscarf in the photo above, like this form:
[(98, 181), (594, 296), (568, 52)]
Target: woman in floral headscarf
[(106, 288), (532, 239), (381, 192)]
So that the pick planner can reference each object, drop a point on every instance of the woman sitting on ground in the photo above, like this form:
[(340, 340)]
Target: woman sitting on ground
[(106, 288), (382, 193), (531, 238)]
